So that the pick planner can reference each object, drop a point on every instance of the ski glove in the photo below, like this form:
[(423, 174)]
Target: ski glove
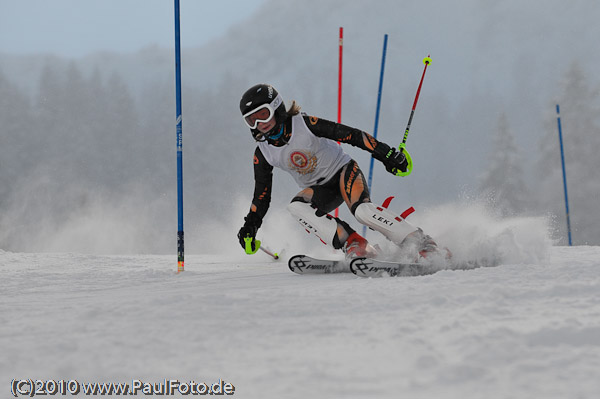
[(249, 229), (392, 159)]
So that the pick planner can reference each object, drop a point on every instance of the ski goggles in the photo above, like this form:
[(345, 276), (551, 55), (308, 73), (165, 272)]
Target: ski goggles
[(263, 113)]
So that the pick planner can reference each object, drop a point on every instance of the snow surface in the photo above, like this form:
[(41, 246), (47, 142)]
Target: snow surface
[(529, 328)]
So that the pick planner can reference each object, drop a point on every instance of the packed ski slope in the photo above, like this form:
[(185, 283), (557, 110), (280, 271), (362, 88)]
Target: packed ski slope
[(529, 328)]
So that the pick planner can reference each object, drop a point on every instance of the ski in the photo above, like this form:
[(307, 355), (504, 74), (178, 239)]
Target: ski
[(367, 267), (302, 264)]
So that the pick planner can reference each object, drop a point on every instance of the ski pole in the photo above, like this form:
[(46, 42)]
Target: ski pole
[(248, 245), (402, 146), (274, 255), (257, 246)]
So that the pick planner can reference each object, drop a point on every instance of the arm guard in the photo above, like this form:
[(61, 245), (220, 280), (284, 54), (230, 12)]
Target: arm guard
[(343, 134), (263, 181)]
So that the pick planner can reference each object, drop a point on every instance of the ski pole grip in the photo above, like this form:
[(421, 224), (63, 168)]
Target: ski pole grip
[(248, 241), (409, 162)]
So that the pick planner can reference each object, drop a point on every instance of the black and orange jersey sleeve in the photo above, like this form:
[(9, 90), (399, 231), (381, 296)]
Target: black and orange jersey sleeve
[(263, 182), (342, 133)]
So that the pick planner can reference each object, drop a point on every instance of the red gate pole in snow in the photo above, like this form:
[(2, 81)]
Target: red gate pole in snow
[(339, 110)]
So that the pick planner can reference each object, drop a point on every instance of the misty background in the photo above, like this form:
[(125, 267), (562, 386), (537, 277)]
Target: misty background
[(88, 149)]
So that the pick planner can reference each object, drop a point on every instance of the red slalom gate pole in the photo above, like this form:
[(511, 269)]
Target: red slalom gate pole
[(339, 113)]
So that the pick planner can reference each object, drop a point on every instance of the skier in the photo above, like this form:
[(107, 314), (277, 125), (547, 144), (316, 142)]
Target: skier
[(305, 146)]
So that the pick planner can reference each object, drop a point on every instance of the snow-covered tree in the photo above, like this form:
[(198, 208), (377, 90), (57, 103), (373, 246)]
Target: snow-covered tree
[(15, 130), (503, 180), (580, 120)]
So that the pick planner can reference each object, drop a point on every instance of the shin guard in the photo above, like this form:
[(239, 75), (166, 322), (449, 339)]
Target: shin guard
[(392, 226), (324, 227)]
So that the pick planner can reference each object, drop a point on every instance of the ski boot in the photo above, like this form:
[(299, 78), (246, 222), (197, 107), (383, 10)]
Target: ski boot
[(357, 246), (424, 246)]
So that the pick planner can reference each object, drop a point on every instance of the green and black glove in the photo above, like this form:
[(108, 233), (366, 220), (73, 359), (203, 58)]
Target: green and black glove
[(248, 233), (392, 159)]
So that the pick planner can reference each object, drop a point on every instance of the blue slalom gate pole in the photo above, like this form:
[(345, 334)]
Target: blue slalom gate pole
[(562, 159), (180, 251), (380, 89)]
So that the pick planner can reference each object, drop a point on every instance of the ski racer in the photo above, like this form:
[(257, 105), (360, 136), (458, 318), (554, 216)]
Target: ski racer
[(305, 146)]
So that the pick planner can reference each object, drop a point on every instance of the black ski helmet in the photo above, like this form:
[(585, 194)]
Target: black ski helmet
[(256, 96)]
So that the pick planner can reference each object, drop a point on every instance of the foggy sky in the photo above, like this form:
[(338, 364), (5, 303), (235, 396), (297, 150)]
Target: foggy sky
[(75, 28)]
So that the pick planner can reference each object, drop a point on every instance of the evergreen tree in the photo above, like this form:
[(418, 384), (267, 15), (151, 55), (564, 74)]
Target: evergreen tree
[(16, 130), (503, 180), (116, 137), (49, 110), (580, 119)]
